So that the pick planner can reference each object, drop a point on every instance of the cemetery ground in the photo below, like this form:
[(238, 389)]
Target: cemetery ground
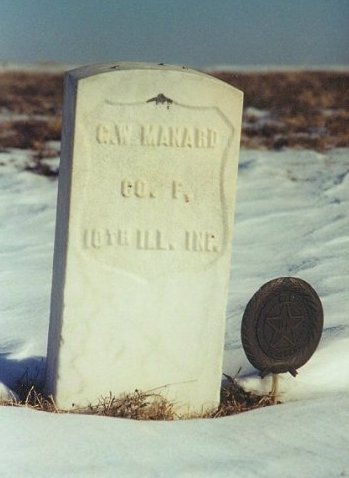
[(282, 109), (291, 219)]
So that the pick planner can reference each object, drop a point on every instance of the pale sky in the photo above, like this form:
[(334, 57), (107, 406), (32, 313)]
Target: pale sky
[(192, 32)]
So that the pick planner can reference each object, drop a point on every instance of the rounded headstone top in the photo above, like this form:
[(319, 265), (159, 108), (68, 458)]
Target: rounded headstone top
[(102, 68)]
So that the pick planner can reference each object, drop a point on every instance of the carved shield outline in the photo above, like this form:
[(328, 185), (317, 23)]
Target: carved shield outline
[(223, 161)]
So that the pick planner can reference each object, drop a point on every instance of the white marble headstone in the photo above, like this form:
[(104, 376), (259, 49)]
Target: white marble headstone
[(143, 236)]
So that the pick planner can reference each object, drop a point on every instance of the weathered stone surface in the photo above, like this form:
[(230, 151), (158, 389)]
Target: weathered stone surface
[(144, 231)]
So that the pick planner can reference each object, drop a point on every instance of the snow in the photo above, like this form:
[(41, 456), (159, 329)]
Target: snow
[(292, 440), (291, 219), (275, 68), (54, 67), (46, 67)]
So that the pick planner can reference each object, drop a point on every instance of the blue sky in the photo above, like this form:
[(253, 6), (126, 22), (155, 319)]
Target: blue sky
[(192, 32)]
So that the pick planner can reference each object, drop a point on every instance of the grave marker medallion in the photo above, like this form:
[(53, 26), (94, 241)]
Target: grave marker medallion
[(143, 236), (282, 325)]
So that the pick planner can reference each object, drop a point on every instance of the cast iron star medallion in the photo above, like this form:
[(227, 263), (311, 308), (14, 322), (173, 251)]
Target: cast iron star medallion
[(282, 326)]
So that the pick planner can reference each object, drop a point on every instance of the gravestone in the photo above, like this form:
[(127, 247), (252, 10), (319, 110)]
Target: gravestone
[(143, 234)]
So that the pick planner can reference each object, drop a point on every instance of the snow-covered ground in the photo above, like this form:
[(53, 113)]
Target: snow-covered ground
[(291, 220), (54, 67)]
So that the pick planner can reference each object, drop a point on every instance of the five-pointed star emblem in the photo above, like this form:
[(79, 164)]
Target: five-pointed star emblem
[(284, 326)]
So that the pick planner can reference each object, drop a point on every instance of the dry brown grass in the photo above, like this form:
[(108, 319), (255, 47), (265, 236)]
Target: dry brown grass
[(145, 405), (31, 133), (307, 109), (234, 399), (138, 406), (31, 93), (291, 92), (304, 109), (34, 400)]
